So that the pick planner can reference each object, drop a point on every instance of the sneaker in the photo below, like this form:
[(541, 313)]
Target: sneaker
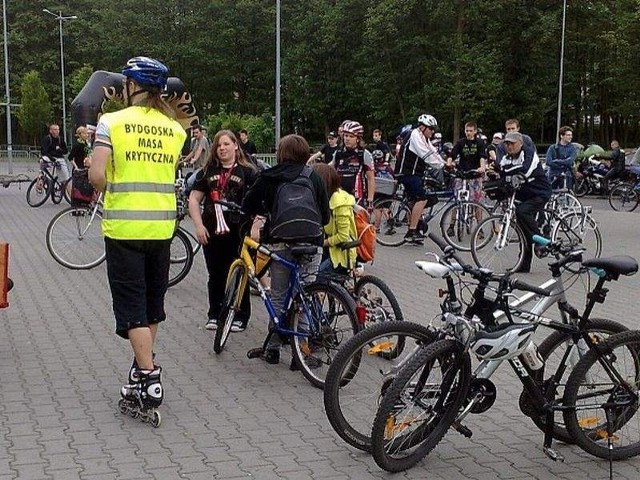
[(238, 326), (271, 356), (413, 238), (212, 324)]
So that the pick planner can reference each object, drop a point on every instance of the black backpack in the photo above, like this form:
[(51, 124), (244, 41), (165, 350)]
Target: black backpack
[(295, 214)]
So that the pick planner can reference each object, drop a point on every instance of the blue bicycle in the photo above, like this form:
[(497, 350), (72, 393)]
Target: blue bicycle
[(318, 317)]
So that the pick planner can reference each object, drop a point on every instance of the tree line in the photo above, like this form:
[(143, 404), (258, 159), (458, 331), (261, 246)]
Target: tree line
[(380, 62)]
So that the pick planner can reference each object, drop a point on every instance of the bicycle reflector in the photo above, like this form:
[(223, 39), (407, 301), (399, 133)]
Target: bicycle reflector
[(361, 314)]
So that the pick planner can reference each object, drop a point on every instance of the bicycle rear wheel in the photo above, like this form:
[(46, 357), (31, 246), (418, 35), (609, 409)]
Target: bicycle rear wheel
[(602, 385), (394, 222), (230, 304), (496, 247), (74, 238), (552, 350), (459, 221), (420, 405), (361, 372), (322, 318), (624, 197), (181, 259), (578, 228), (38, 191)]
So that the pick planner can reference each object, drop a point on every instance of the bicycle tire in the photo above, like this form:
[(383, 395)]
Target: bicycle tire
[(394, 222), (578, 228), (462, 225), (230, 304), (332, 312), (581, 188), (599, 329), (624, 198), (446, 357), (486, 253), (361, 373), (66, 189), (195, 244), (588, 425), (74, 238), (380, 305), (181, 259), (35, 196)]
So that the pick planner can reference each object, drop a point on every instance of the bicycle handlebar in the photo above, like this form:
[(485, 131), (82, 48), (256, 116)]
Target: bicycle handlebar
[(519, 285)]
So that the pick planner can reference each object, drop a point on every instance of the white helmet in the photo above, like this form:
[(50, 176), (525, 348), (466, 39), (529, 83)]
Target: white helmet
[(503, 344), (427, 120), (437, 138)]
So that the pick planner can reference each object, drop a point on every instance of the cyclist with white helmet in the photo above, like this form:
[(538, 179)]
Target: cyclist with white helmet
[(355, 165), (414, 158)]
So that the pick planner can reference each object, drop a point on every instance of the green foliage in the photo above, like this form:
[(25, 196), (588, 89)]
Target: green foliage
[(112, 105), (377, 61), (35, 112), (260, 127), (79, 78)]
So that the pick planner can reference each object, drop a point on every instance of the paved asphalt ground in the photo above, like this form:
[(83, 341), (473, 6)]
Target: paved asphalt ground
[(227, 417)]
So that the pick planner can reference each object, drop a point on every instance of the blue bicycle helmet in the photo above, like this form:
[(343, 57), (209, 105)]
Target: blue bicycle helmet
[(147, 72)]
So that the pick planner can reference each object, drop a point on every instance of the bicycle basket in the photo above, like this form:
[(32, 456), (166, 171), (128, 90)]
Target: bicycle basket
[(498, 189), (81, 189)]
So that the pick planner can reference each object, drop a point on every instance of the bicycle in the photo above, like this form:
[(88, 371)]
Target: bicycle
[(375, 301), (625, 196), (317, 316), (498, 242), (437, 389), (459, 214), (46, 184), (74, 239), (353, 389)]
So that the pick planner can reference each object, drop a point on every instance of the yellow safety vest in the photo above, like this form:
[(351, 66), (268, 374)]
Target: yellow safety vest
[(139, 200)]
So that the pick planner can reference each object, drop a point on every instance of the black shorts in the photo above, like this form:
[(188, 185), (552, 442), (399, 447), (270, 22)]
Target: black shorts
[(138, 272)]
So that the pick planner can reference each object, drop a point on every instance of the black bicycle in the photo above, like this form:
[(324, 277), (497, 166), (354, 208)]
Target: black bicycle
[(46, 184), (437, 389)]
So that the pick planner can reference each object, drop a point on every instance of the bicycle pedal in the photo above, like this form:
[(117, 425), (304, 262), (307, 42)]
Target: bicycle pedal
[(465, 431), (553, 454), (255, 352)]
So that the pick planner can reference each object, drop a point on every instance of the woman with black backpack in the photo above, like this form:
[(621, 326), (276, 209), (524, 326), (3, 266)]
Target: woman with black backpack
[(291, 207)]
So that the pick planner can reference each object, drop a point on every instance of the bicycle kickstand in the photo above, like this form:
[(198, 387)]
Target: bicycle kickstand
[(548, 450)]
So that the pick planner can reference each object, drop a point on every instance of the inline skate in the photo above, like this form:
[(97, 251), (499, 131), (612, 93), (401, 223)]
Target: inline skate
[(143, 395)]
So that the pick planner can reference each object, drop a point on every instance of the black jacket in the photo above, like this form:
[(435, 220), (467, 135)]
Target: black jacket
[(53, 147), (260, 197)]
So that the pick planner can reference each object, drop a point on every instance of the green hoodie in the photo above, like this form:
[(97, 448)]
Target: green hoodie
[(341, 228)]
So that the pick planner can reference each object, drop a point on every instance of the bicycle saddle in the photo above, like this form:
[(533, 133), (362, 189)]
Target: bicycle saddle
[(301, 250), (614, 266)]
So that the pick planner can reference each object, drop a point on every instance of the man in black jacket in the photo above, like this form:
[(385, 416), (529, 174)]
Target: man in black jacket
[(293, 154), (533, 193), (54, 148)]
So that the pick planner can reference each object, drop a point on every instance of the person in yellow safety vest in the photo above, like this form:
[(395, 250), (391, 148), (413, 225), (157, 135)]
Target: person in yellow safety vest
[(136, 151)]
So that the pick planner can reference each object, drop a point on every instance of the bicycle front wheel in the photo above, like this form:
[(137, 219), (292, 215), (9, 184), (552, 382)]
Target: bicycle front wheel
[(604, 388), (74, 238), (459, 221), (38, 191), (580, 229), (420, 405), (322, 319), (230, 304), (361, 372), (181, 259), (552, 350), (392, 221), (498, 246), (624, 197)]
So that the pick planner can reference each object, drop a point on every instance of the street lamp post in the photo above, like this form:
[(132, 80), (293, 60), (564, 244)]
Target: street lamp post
[(277, 72), (7, 91), (61, 19), (561, 74)]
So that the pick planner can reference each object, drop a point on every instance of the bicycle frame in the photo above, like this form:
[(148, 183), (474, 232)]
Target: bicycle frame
[(295, 285)]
